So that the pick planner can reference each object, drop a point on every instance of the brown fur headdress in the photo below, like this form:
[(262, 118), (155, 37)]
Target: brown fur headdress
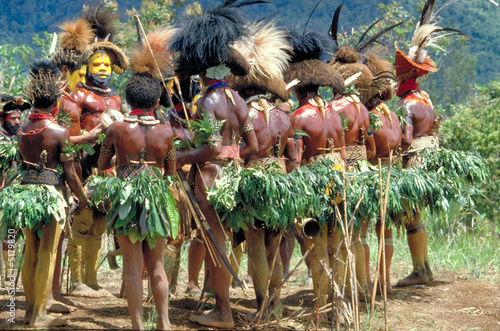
[(314, 73), (155, 61), (382, 71), (74, 41), (268, 52)]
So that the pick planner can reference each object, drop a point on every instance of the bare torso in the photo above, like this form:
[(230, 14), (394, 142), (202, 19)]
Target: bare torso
[(388, 137), (93, 104)]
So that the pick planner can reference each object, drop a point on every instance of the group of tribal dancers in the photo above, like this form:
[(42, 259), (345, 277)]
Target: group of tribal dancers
[(247, 72)]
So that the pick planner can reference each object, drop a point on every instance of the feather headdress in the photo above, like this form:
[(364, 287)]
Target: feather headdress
[(104, 20), (74, 41), (427, 32), (44, 86), (206, 40), (350, 61), (268, 52), (309, 47)]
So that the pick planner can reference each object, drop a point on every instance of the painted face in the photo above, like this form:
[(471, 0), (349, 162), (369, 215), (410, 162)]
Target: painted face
[(12, 123), (73, 79), (99, 70)]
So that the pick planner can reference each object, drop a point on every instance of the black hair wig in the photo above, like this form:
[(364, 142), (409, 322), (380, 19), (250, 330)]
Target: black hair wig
[(142, 91)]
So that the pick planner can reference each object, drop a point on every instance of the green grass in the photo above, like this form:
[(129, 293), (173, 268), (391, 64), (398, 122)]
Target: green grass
[(460, 242)]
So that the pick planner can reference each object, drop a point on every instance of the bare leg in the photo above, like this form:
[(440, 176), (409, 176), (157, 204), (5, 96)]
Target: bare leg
[(28, 274), (257, 263), (44, 272), (319, 253), (417, 242), (153, 258), (133, 265), (172, 261), (389, 250), (286, 250), (196, 255), (303, 250), (367, 256), (235, 259), (272, 246), (92, 251), (221, 317), (56, 303)]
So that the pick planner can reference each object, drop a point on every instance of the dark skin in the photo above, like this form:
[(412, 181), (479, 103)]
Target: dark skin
[(421, 117), (218, 105), (262, 243), (39, 268), (128, 139), (93, 104), (358, 120), (310, 119)]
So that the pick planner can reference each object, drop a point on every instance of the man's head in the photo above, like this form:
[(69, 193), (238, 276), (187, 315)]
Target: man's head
[(10, 115), (44, 87), (99, 70), (142, 91)]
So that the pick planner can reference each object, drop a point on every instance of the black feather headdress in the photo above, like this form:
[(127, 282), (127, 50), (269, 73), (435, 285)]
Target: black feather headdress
[(309, 44), (206, 40), (103, 20), (44, 87)]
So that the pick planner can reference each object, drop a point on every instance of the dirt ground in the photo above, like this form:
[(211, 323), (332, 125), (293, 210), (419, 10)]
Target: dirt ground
[(451, 302)]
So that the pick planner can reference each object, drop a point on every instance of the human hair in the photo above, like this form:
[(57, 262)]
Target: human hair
[(142, 91)]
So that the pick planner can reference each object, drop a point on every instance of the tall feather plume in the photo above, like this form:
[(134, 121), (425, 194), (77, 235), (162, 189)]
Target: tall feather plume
[(427, 35), (362, 46), (44, 86), (77, 35), (426, 17), (308, 44), (145, 62), (206, 40), (436, 14), (103, 20), (334, 27)]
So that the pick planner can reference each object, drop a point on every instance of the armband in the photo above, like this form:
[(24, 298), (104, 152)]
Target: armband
[(65, 157), (248, 127), (170, 155), (214, 138), (107, 152)]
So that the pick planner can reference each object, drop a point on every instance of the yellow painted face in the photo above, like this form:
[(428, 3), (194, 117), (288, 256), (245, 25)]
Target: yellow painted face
[(83, 71), (73, 79), (100, 65)]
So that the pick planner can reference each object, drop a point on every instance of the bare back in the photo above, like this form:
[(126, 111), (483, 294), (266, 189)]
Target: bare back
[(358, 118)]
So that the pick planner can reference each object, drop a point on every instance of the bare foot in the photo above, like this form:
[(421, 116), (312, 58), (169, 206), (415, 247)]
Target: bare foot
[(46, 321), (414, 278), (428, 271), (86, 292), (112, 260), (192, 289), (213, 319), (54, 306), (67, 301), (308, 281)]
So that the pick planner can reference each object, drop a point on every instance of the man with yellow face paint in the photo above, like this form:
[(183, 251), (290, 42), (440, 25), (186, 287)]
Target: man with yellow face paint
[(93, 97)]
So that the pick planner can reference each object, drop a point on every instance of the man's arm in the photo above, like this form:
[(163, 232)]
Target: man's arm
[(107, 157), (71, 177)]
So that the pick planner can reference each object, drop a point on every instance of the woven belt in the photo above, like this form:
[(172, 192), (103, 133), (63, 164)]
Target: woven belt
[(260, 163), (354, 153), (335, 157), (397, 161), (134, 171), (41, 177), (423, 142)]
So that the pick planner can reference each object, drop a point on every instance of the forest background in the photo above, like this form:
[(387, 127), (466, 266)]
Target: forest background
[(466, 89)]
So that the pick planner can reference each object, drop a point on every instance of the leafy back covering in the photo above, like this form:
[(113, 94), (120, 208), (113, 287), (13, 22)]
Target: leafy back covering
[(142, 207)]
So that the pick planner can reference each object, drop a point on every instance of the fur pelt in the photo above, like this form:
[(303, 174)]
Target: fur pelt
[(314, 73), (383, 73), (147, 62), (268, 52), (206, 40), (363, 82), (346, 54), (77, 35), (309, 44)]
